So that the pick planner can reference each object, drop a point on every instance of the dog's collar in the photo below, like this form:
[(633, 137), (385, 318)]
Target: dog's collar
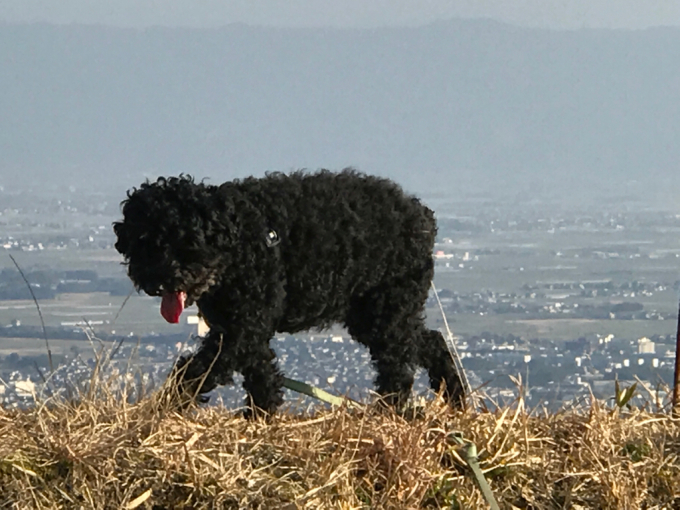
[(272, 238)]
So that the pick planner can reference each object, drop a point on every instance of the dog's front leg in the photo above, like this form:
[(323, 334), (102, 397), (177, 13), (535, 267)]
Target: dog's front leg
[(210, 366), (262, 379)]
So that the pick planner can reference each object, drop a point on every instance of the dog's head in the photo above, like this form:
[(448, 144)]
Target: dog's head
[(169, 238)]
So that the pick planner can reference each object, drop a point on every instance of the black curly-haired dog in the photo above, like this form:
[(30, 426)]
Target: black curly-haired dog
[(287, 253)]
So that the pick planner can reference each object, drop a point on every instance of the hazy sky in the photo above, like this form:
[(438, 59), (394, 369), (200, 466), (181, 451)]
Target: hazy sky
[(344, 13)]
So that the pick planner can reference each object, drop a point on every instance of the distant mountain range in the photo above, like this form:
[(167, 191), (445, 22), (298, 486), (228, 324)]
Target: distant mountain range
[(472, 102)]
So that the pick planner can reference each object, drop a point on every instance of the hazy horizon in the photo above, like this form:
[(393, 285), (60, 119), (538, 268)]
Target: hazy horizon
[(450, 106), (627, 14)]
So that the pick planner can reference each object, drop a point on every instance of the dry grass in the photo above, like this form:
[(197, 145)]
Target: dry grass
[(104, 453)]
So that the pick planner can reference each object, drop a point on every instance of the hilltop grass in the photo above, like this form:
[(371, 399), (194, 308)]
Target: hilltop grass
[(101, 452)]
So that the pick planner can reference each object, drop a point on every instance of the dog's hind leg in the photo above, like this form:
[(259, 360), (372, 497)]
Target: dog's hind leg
[(386, 320), (434, 356)]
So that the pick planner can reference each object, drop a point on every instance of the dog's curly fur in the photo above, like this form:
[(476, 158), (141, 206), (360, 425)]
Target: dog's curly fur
[(354, 249)]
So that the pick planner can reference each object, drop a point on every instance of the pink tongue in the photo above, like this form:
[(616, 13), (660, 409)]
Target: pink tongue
[(172, 306)]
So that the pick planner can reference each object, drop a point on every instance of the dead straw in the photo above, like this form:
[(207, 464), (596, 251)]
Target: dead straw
[(104, 450), (676, 377), (42, 321)]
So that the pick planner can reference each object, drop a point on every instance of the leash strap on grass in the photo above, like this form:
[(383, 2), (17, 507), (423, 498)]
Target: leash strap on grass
[(317, 393), (470, 451)]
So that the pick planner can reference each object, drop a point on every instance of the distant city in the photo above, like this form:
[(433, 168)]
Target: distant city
[(569, 302)]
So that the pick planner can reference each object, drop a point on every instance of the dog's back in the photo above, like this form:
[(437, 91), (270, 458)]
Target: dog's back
[(340, 235)]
